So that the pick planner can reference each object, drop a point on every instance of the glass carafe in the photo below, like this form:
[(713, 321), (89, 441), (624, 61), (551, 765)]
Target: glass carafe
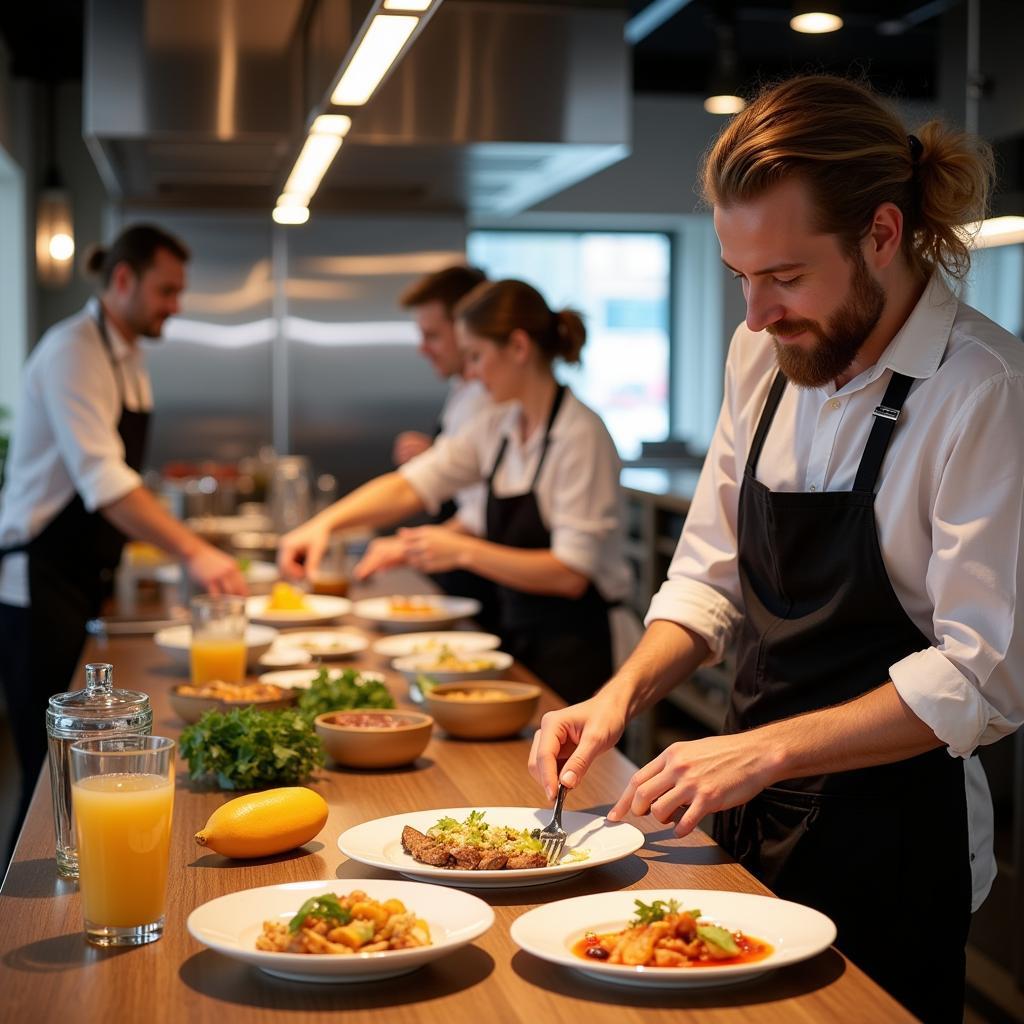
[(98, 711)]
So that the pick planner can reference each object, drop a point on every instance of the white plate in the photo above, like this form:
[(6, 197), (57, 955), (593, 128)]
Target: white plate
[(319, 608), (256, 573), (230, 925), (444, 611), (177, 641), (302, 678), (794, 931), (327, 643), (404, 644), (424, 664), (281, 656), (379, 843)]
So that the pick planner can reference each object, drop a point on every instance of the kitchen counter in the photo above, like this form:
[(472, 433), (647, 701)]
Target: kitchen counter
[(49, 973)]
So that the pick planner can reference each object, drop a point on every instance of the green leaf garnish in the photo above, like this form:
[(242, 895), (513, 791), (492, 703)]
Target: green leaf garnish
[(720, 937), (648, 913), (326, 907)]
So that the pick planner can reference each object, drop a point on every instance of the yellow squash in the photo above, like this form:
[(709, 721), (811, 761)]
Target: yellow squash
[(262, 824)]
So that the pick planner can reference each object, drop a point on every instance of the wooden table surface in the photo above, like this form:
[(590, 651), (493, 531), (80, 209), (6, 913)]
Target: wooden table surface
[(48, 972)]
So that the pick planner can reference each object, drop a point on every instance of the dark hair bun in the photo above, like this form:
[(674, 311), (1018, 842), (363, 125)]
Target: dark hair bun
[(570, 335)]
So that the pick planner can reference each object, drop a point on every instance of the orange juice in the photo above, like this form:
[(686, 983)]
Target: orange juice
[(217, 658), (124, 835)]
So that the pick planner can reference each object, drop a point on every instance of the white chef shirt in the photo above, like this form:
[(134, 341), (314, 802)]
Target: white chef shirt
[(464, 400), (65, 438), (949, 508)]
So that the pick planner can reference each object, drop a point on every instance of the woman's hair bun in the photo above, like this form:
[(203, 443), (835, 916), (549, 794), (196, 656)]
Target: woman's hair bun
[(570, 335)]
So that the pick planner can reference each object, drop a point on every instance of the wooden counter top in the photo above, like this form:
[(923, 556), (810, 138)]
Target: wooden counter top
[(48, 972)]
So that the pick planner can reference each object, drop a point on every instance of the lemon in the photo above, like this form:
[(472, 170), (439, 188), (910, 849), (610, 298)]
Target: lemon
[(262, 824), (286, 598)]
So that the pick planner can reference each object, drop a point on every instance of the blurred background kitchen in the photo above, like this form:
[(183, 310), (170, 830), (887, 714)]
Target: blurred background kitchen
[(556, 142)]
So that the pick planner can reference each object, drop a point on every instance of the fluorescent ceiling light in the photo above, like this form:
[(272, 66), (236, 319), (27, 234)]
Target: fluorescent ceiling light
[(290, 214), (316, 156), (816, 23), (407, 5), (332, 124), (996, 231), (374, 55), (724, 104)]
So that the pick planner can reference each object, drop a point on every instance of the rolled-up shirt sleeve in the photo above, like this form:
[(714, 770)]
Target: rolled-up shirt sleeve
[(586, 506), (702, 591), (81, 399), (969, 687), (450, 464)]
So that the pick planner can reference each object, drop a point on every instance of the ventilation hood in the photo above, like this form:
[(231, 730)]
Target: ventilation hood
[(495, 107)]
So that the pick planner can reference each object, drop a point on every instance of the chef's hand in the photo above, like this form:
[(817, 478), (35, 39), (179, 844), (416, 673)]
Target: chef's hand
[(300, 551), (216, 572), (702, 776), (574, 735), (434, 548), (408, 445), (383, 553)]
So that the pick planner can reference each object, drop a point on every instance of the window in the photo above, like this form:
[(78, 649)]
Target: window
[(620, 282), (995, 286)]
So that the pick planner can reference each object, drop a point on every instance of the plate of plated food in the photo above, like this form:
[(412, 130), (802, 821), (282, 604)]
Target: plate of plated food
[(415, 611), (673, 938), (486, 847), (327, 644), (321, 931), (402, 645), (286, 605)]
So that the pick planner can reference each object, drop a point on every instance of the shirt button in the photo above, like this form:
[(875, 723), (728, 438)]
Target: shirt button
[(834, 404), (813, 488)]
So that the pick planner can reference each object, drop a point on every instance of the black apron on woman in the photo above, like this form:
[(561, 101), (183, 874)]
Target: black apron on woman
[(69, 562), (566, 642), (883, 851)]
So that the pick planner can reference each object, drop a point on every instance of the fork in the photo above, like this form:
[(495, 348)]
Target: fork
[(552, 837)]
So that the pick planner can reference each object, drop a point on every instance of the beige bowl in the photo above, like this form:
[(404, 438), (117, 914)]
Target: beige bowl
[(484, 716), (398, 738), (190, 708)]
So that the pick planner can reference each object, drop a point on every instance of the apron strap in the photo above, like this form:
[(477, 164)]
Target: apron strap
[(886, 416), (559, 395), (767, 415)]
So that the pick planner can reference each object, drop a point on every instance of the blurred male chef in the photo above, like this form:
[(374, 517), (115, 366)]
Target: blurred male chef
[(72, 492)]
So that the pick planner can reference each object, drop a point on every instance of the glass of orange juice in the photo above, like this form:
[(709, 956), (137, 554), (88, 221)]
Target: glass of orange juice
[(122, 791), (218, 639)]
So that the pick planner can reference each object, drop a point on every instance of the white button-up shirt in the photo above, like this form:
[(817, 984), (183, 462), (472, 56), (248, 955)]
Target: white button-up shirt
[(65, 440), (949, 508), (464, 400)]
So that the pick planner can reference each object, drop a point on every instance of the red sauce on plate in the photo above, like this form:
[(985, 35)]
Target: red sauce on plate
[(589, 948)]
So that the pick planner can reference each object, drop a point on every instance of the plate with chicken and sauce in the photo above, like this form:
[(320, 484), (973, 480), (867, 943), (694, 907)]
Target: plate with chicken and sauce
[(486, 847), (673, 938)]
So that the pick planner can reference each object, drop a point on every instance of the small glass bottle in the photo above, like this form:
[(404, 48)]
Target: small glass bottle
[(98, 711)]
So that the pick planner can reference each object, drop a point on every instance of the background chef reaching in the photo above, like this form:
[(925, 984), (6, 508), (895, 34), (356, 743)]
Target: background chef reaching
[(856, 533)]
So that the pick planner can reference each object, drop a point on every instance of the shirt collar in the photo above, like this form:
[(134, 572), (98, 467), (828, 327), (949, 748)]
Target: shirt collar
[(918, 346), (119, 348), (513, 418)]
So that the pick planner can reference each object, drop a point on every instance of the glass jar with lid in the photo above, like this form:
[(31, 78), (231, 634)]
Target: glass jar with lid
[(96, 712)]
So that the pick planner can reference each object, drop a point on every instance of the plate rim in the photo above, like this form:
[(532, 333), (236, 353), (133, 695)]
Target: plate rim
[(159, 637), (379, 646), (472, 606)]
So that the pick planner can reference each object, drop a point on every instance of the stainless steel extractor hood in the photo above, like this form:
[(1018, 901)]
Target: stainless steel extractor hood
[(496, 106)]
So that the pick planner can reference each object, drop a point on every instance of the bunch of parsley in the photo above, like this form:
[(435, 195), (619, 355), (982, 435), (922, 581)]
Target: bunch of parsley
[(343, 692), (248, 749)]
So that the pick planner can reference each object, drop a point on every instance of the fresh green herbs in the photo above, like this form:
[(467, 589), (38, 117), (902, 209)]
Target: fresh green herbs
[(648, 913), (343, 692), (248, 749), (474, 831), (714, 935), (326, 907)]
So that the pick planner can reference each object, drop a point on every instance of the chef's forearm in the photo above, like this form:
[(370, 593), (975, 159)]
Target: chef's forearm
[(876, 728), (140, 516), (668, 654), (383, 501), (535, 572)]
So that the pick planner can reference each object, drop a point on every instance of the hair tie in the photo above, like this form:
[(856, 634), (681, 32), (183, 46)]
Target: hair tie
[(916, 149)]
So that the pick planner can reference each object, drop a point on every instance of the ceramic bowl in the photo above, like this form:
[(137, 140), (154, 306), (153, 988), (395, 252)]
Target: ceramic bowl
[(352, 740), (190, 708), (474, 711)]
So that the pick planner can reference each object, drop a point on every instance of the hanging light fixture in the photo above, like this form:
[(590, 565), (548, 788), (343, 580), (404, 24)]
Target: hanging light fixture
[(55, 232), (723, 89), (815, 17)]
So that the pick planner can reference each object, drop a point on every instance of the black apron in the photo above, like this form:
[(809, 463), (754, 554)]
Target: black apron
[(70, 563), (566, 642), (883, 851)]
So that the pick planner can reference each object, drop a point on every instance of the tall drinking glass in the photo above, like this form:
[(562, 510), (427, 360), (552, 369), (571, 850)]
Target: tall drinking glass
[(122, 790), (218, 639)]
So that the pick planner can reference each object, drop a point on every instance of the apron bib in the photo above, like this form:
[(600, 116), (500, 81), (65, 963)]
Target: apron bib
[(884, 851), (566, 642)]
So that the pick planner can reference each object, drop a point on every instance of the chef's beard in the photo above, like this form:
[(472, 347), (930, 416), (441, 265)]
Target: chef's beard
[(840, 340)]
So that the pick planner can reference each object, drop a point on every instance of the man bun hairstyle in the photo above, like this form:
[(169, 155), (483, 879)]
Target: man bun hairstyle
[(854, 154), (497, 308), (446, 286), (137, 246)]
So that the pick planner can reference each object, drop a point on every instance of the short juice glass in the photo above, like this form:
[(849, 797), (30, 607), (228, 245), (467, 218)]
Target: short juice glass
[(122, 790), (218, 639)]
